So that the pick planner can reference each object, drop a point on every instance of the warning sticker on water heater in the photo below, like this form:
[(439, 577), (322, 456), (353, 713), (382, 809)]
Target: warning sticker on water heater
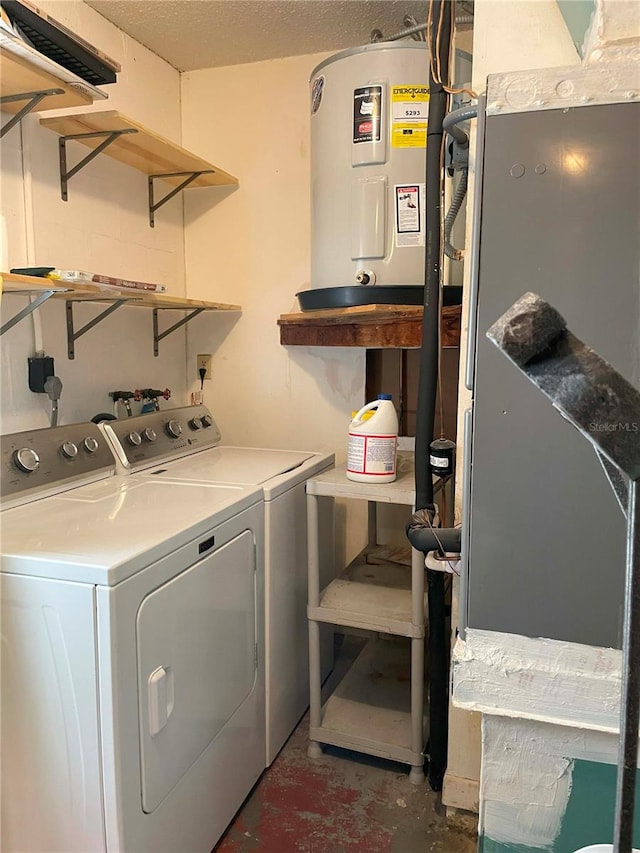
[(409, 112), (367, 114), (410, 215)]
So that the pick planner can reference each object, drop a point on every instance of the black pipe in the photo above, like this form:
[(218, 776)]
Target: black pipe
[(438, 680), (426, 403), (427, 388), (425, 539)]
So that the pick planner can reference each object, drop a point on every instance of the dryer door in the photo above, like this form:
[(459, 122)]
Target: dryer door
[(196, 638)]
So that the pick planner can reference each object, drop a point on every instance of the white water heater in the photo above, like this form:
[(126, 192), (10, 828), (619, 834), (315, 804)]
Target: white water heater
[(368, 151)]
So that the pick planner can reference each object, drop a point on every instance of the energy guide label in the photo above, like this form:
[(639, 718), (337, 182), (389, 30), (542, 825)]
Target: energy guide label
[(409, 113)]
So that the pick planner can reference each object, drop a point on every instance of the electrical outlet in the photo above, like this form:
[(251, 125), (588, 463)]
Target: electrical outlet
[(204, 361)]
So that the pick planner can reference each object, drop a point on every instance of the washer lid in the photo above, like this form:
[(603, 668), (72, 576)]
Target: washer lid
[(275, 470), (107, 531)]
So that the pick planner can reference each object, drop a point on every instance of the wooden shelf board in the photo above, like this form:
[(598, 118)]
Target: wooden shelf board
[(30, 71), (370, 709), (99, 297), (13, 283), (145, 150), (360, 313), (372, 326), (373, 593), (150, 300)]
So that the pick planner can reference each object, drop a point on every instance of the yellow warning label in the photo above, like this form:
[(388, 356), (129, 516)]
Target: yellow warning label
[(409, 112)]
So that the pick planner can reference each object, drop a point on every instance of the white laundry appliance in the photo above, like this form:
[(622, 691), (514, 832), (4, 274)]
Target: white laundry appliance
[(183, 446), (132, 651)]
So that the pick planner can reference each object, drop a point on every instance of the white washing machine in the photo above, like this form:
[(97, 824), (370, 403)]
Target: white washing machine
[(132, 651), (183, 446)]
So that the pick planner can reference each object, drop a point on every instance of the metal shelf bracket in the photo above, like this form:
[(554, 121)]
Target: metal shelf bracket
[(28, 309), (65, 176), (73, 335), (33, 99), (158, 336), (189, 178)]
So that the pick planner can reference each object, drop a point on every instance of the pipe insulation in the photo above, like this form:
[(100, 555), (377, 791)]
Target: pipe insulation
[(438, 646)]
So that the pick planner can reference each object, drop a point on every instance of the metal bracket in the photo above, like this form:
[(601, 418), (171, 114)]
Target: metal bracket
[(41, 298), (73, 335), (33, 98), (65, 176), (189, 178), (158, 336)]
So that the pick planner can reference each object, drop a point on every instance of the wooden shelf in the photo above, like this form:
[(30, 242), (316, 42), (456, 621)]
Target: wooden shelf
[(151, 300), (24, 70), (13, 283), (71, 292), (41, 288), (144, 150), (371, 326)]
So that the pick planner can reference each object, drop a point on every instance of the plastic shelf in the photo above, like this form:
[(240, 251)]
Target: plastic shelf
[(370, 709), (373, 593)]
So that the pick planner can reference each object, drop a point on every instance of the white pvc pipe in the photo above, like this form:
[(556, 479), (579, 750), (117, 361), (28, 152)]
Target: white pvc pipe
[(29, 228)]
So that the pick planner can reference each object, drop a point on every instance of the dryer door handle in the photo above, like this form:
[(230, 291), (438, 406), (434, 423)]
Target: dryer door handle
[(161, 698)]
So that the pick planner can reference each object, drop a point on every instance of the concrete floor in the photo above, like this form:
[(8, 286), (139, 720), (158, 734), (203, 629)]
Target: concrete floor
[(344, 802)]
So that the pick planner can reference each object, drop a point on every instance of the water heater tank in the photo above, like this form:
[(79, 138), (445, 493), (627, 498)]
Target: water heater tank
[(368, 148)]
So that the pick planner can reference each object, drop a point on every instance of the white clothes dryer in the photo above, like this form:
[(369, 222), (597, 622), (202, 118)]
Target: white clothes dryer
[(183, 446), (133, 652)]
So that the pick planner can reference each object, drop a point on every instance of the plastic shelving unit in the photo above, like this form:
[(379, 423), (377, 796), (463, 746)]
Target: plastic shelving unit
[(378, 707)]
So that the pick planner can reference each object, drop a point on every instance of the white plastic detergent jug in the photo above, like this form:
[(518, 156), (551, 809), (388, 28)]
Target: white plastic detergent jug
[(373, 440)]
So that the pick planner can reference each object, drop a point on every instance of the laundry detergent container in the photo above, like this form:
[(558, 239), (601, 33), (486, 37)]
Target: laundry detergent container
[(369, 111)]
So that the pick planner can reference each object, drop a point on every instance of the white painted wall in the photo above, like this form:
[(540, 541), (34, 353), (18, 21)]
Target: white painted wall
[(103, 227), (253, 248)]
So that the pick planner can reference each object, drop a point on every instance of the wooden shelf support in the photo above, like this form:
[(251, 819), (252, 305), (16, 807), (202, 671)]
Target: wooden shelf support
[(42, 297), (189, 178), (32, 98), (73, 335), (370, 326), (65, 176), (158, 336)]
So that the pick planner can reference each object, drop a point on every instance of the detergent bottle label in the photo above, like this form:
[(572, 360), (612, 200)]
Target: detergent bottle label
[(371, 454)]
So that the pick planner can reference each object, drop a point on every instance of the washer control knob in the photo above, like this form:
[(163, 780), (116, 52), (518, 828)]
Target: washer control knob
[(195, 424), (26, 460), (206, 421), (149, 434), (69, 450), (134, 439), (90, 444), (174, 430)]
